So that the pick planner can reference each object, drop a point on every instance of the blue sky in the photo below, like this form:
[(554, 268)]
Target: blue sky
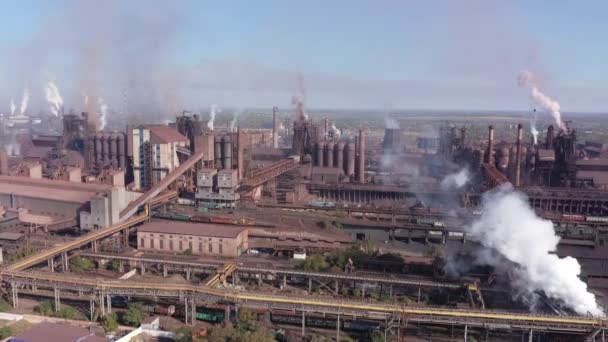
[(351, 54)]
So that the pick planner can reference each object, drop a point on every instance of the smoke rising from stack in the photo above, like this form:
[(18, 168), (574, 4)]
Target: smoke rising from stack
[(212, 114), (456, 180), (528, 80), (235, 116), (53, 97), (510, 227), (391, 123), (25, 99), (13, 107), (103, 114), (335, 131)]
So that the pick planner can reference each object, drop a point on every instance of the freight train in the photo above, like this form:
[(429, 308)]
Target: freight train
[(318, 321), (209, 219)]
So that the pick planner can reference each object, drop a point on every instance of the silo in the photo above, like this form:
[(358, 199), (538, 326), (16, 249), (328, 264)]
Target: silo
[(319, 154), (218, 152), (227, 152), (339, 155), (349, 164), (113, 149), (120, 142), (329, 154)]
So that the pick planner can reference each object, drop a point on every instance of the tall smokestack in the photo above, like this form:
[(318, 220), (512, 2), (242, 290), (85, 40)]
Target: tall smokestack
[(463, 137), (361, 175), (549, 140), (490, 154), (239, 151), (275, 127), (520, 137), (326, 131), (218, 152)]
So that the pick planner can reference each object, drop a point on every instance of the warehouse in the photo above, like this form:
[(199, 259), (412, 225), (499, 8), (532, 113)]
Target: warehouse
[(197, 238)]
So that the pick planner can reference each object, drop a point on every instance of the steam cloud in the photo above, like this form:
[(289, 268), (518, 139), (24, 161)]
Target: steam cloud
[(212, 114), (509, 226), (53, 97), (235, 116), (456, 180), (13, 107), (335, 131), (24, 101), (391, 123), (527, 79), (103, 114)]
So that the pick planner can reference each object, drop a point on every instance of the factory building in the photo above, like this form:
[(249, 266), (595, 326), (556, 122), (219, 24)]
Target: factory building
[(199, 238), (155, 151), (45, 201), (217, 188)]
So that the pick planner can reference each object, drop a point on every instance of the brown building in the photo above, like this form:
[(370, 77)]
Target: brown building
[(200, 238)]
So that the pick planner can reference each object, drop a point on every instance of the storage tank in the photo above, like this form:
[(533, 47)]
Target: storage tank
[(120, 142), (329, 154), (227, 152), (113, 156), (349, 163), (319, 154), (339, 155), (218, 152)]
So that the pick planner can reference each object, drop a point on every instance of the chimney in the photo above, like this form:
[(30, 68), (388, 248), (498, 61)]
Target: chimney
[(275, 127), (239, 151), (490, 154), (463, 137), (520, 136), (326, 132), (361, 175), (549, 140)]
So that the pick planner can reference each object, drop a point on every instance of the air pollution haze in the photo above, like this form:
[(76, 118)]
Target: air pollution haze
[(510, 227), (456, 180), (528, 80)]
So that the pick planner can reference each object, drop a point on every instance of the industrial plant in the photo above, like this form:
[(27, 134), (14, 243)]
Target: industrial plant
[(315, 229)]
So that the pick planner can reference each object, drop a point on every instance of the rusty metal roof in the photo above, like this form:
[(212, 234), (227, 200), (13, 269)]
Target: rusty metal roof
[(185, 228), (165, 134)]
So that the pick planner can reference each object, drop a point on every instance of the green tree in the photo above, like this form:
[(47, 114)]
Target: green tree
[(260, 334), (45, 308), (314, 263), (23, 252), (135, 315), (79, 264), (114, 265), (247, 319), (184, 334), (67, 313), (5, 332), (188, 252), (109, 322), (220, 333)]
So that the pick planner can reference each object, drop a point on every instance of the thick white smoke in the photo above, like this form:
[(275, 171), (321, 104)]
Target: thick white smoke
[(25, 99), (103, 114), (509, 226), (456, 180), (53, 97), (534, 132), (212, 114), (337, 133), (390, 123), (235, 116), (527, 79), (13, 107)]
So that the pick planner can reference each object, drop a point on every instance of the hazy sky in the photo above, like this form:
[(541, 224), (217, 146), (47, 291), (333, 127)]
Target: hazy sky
[(167, 55)]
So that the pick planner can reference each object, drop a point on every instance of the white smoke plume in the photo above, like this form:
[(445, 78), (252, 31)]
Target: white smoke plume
[(527, 79), (103, 114), (456, 180), (13, 107), (235, 116), (212, 114), (509, 226), (53, 97), (391, 123), (534, 132), (25, 99), (337, 133)]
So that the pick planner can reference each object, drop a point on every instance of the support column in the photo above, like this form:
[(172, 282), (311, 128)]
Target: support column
[(531, 335), (303, 324), (309, 285), (165, 270), (338, 329), (92, 307), (193, 311), (188, 271), (109, 301), (15, 294), (336, 287), (51, 263), (102, 306), (186, 310), (94, 246), (466, 333), (65, 264), (143, 268), (284, 281), (121, 266), (57, 299)]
